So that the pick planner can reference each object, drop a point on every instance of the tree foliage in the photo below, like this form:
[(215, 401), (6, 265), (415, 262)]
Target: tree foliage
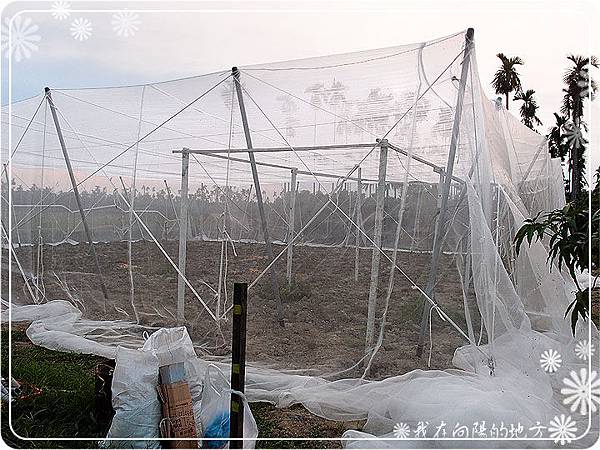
[(567, 234), (579, 87), (529, 108), (558, 144), (506, 79)]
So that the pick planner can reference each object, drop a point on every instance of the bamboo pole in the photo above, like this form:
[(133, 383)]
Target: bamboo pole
[(358, 223), (417, 220), (292, 215), (11, 205)]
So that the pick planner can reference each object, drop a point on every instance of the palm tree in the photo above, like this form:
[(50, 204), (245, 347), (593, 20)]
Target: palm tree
[(506, 79), (579, 86), (557, 141), (529, 108)]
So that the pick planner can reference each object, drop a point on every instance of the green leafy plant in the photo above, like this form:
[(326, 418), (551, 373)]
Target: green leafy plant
[(568, 238)]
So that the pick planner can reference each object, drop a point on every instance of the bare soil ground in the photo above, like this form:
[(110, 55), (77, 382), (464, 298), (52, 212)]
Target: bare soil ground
[(325, 308)]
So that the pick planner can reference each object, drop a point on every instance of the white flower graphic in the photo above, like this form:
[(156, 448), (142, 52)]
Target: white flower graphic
[(81, 29), (23, 38), (126, 23), (61, 10), (582, 392), (550, 360), (583, 350), (401, 430), (562, 429)]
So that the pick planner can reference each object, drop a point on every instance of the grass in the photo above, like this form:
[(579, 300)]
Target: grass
[(61, 396), (296, 422), (60, 390)]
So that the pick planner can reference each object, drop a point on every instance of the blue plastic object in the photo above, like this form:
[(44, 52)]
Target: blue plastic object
[(217, 430)]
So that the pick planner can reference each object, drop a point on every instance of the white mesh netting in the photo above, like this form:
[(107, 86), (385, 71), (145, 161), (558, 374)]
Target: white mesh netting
[(371, 236)]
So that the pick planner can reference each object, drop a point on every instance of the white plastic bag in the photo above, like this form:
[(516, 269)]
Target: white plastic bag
[(134, 388), (214, 412), (170, 346), (174, 345), (135, 400)]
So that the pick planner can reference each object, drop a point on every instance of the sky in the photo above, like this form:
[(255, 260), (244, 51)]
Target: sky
[(212, 36)]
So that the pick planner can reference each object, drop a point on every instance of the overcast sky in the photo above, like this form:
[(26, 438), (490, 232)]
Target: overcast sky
[(218, 35)]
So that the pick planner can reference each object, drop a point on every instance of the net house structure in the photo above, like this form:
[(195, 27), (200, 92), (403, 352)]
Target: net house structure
[(370, 200)]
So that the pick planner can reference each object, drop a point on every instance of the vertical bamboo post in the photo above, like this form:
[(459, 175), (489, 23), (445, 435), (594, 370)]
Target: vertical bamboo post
[(466, 282), (86, 228), (440, 188), (259, 199), (416, 226), (376, 257), (11, 206), (238, 364), (291, 220), (17, 262), (183, 218), (440, 225), (358, 222), (171, 199)]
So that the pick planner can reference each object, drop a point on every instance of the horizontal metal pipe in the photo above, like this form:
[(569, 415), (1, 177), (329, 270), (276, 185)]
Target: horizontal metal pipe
[(279, 166), (281, 149), (435, 167)]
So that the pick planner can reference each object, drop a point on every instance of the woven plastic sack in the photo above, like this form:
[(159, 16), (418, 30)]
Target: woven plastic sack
[(135, 400)]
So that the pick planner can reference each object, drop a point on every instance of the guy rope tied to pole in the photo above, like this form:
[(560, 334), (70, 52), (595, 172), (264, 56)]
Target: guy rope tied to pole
[(88, 234), (259, 199)]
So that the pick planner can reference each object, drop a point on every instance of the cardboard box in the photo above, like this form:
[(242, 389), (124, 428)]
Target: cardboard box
[(178, 415)]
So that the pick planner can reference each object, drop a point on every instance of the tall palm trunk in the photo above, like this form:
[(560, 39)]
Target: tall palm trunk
[(506, 94), (576, 176)]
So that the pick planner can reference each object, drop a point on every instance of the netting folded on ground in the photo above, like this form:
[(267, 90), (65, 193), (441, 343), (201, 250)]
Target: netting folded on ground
[(389, 191)]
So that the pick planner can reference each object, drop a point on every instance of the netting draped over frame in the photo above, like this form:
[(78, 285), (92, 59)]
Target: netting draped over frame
[(370, 233)]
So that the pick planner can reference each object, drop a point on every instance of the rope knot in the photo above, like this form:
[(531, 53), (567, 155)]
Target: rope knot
[(491, 365)]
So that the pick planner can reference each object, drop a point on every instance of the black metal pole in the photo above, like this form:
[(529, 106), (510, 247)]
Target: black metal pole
[(238, 364)]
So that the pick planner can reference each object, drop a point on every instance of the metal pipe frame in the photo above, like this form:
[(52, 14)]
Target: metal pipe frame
[(183, 225), (376, 257), (86, 227), (261, 209), (440, 223)]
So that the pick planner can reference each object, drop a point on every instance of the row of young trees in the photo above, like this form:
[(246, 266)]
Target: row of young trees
[(566, 137), (208, 208)]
